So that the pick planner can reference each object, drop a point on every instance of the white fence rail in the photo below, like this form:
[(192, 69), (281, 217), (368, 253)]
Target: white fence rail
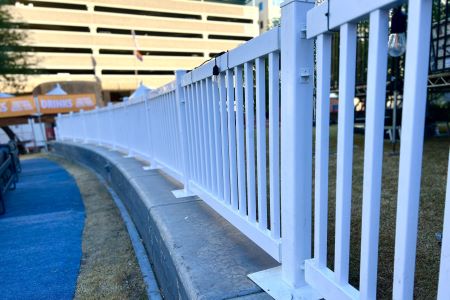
[(230, 138)]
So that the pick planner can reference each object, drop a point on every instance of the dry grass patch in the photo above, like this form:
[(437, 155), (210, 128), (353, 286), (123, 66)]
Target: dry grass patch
[(109, 269)]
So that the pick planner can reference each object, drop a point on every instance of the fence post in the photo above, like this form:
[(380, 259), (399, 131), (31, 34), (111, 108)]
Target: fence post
[(83, 131), (113, 144), (71, 136), (128, 146), (181, 114), (150, 142), (297, 69), (97, 127), (57, 127)]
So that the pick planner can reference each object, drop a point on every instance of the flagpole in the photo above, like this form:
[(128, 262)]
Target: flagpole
[(137, 55), (136, 73)]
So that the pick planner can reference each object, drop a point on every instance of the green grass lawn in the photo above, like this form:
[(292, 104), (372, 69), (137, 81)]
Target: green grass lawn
[(434, 174)]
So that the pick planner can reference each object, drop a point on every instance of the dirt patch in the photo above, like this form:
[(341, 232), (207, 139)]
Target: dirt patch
[(109, 268)]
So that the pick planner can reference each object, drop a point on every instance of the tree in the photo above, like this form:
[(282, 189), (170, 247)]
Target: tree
[(15, 59)]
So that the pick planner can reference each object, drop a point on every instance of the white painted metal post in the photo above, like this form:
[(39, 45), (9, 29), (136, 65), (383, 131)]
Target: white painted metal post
[(151, 152), (347, 68), (261, 163), (181, 115), (414, 95), (250, 141), (373, 151), (57, 127), (297, 65), (323, 52), (111, 114), (98, 128), (274, 143), (83, 130)]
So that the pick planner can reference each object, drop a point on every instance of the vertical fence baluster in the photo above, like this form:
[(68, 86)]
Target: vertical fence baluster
[(170, 152), (169, 136), (444, 271), (224, 127), (112, 121), (347, 67), (322, 143), (373, 153), (97, 126), (129, 126), (211, 133), (153, 111), (206, 146), (148, 127), (84, 128), (161, 127), (196, 152), (168, 124), (218, 140), (164, 137), (200, 134), (242, 189), (250, 140), (414, 102), (191, 165), (274, 142), (177, 133), (261, 141), (232, 139)]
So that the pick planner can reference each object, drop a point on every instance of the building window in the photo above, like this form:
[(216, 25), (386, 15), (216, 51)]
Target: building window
[(261, 6)]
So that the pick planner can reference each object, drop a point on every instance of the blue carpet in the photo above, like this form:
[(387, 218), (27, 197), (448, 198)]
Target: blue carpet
[(40, 234)]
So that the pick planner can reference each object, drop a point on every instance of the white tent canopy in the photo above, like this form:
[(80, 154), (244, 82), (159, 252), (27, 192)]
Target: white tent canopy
[(57, 90), (140, 92)]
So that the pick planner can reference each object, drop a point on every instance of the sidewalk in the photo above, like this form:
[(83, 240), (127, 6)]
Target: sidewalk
[(40, 234)]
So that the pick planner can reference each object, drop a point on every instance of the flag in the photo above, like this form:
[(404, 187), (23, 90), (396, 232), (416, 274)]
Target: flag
[(137, 53)]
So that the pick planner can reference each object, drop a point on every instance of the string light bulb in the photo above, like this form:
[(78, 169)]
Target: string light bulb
[(215, 71), (397, 38)]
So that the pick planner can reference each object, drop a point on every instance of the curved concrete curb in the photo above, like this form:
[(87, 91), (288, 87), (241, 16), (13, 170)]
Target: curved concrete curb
[(195, 253)]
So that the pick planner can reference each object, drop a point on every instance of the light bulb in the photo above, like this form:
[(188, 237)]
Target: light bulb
[(215, 73), (397, 44)]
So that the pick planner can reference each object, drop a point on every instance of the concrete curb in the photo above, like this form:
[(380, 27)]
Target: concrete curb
[(195, 253)]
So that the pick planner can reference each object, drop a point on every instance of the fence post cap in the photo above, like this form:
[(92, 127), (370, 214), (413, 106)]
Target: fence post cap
[(180, 72)]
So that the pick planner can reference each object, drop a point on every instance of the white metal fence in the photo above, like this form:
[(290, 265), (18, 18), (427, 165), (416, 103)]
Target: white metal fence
[(211, 133)]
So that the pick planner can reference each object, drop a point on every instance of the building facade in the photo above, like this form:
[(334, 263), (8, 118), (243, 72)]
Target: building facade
[(92, 40), (269, 13)]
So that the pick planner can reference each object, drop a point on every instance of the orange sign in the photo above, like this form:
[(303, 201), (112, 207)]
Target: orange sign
[(48, 104), (17, 106), (53, 104)]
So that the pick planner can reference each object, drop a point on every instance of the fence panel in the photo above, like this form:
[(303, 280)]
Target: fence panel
[(334, 284), (162, 111), (138, 134), (224, 155)]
